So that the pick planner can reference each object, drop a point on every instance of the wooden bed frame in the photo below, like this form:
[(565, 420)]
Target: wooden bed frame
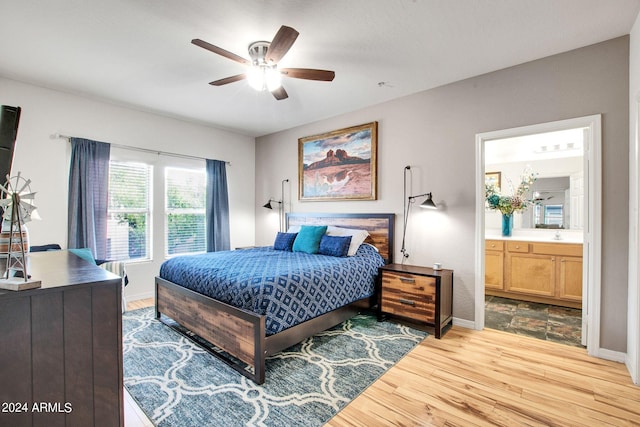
[(241, 333)]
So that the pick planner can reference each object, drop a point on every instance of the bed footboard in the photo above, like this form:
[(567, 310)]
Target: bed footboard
[(238, 332)]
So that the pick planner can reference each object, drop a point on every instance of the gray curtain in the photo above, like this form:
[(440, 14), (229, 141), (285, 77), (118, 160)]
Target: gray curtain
[(88, 196), (217, 207)]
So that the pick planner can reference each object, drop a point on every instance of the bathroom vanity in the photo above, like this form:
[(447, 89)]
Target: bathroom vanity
[(537, 270)]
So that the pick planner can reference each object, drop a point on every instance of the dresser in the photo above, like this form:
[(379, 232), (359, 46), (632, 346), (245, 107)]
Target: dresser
[(61, 357), (418, 294)]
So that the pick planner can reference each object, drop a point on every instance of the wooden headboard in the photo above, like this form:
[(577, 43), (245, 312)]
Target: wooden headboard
[(380, 226)]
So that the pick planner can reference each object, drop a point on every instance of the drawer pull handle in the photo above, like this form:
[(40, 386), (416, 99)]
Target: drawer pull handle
[(406, 301), (407, 280)]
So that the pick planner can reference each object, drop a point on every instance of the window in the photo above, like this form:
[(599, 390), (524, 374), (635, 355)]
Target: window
[(548, 215), (129, 212), (185, 210), (553, 214)]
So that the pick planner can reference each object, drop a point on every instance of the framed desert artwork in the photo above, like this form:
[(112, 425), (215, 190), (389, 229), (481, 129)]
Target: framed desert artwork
[(339, 165), (493, 178)]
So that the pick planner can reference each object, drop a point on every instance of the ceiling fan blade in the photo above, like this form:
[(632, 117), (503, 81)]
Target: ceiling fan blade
[(280, 93), (281, 43), (228, 80), (220, 51), (309, 74)]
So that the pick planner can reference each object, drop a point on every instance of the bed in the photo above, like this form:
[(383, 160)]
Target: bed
[(242, 328)]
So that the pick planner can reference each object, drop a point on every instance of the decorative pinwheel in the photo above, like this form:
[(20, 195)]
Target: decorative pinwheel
[(18, 204), (18, 208)]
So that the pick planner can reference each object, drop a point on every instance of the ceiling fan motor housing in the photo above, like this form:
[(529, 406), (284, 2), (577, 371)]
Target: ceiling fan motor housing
[(258, 52)]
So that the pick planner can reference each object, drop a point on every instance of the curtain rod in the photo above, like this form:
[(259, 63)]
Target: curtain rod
[(144, 150)]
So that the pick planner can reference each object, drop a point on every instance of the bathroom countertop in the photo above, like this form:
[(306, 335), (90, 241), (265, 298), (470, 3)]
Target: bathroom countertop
[(547, 237)]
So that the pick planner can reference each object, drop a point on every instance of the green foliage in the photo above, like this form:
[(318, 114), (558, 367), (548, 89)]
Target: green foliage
[(517, 202), (185, 233), (128, 187)]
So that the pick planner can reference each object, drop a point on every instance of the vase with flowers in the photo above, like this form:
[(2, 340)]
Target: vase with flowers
[(518, 201)]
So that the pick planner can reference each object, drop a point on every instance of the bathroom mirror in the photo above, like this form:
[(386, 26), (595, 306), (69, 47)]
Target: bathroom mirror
[(557, 160)]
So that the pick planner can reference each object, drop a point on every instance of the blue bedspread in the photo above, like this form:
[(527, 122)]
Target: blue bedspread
[(287, 287)]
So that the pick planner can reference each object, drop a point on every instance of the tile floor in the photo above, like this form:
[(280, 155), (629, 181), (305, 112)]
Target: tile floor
[(546, 322)]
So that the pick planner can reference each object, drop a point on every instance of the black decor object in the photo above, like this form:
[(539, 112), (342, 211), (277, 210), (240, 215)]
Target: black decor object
[(9, 120)]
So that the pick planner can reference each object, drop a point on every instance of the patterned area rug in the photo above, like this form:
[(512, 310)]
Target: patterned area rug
[(176, 383)]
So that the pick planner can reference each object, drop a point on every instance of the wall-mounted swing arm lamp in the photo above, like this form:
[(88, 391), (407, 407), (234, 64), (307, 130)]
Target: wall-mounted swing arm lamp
[(268, 204), (427, 204), (280, 205)]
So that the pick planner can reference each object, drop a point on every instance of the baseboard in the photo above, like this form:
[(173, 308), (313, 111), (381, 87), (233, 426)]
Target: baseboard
[(464, 323), (136, 297), (614, 356), (632, 370)]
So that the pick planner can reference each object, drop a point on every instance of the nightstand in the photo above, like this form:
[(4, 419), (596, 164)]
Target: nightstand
[(419, 294)]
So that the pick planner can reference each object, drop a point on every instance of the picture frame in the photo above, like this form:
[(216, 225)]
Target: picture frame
[(494, 178), (339, 165)]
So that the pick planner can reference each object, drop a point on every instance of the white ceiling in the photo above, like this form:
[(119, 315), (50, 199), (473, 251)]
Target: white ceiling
[(138, 52), (540, 146)]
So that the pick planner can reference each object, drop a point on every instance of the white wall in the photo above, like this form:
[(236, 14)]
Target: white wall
[(633, 320), (434, 132), (46, 161)]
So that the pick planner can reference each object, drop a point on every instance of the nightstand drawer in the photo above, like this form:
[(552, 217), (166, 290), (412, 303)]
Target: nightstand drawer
[(409, 295), (420, 286), (407, 305)]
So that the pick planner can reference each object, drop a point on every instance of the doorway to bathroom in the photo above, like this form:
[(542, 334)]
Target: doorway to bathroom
[(539, 274)]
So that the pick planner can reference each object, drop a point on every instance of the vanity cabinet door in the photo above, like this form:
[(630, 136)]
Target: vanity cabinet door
[(570, 278), (494, 265), (530, 274)]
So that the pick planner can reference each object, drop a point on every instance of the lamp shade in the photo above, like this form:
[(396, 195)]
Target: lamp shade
[(268, 205), (428, 203)]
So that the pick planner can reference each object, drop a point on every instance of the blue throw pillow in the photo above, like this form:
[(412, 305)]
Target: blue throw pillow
[(284, 241), (334, 245), (84, 253), (308, 238)]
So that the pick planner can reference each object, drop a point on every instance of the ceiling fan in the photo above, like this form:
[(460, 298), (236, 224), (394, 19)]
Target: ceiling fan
[(263, 72), (538, 197)]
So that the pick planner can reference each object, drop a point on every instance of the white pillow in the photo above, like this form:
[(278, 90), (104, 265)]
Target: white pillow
[(294, 229), (357, 236)]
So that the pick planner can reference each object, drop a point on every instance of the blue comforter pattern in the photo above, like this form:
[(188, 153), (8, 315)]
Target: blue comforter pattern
[(287, 287)]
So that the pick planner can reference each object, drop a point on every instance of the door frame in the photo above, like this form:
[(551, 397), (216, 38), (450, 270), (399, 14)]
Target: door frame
[(633, 322), (593, 212)]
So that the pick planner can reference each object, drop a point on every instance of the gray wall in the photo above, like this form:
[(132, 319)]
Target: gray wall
[(434, 132)]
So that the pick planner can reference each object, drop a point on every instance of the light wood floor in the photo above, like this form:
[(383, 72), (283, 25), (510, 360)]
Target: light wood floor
[(492, 378)]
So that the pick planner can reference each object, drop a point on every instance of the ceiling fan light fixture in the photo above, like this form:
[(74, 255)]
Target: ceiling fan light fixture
[(264, 77), (255, 77), (273, 78)]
